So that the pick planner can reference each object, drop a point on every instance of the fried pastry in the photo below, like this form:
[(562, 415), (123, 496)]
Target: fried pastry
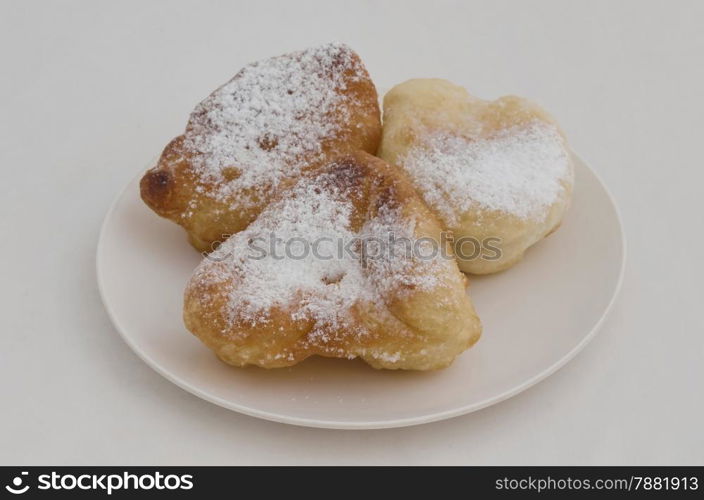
[(346, 263), (257, 134), (498, 173)]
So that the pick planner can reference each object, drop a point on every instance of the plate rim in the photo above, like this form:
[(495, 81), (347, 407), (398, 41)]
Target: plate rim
[(361, 425)]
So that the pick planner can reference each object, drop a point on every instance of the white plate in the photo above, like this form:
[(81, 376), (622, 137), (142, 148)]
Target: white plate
[(536, 317)]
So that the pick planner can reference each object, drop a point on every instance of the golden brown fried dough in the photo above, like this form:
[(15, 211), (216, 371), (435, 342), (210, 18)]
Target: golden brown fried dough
[(391, 299), (257, 134)]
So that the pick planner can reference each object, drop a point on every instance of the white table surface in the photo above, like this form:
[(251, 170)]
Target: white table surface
[(90, 91)]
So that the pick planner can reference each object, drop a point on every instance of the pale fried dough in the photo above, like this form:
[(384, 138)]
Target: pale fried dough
[(497, 173)]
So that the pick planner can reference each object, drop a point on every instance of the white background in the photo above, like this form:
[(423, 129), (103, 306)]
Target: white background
[(90, 91)]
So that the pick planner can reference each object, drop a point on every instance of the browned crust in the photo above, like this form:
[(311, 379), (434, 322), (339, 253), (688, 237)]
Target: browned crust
[(169, 188)]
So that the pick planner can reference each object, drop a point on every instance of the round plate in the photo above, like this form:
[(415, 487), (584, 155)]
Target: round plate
[(536, 317)]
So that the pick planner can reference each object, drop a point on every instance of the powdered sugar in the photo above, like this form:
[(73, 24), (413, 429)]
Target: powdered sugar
[(266, 266), (271, 119), (517, 171), (387, 357)]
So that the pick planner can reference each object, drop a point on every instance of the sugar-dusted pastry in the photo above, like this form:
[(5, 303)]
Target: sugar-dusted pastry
[(347, 263), (497, 173), (255, 135)]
